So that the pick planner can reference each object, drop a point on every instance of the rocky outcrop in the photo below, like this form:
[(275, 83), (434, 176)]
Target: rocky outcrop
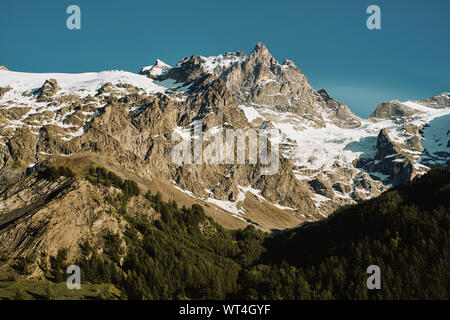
[(439, 101), (394, 165), (39, 217), (155, 71), (48, 90), (260, 80), (340, 114), (186, 71), (385, 146), (3, 91), (322, 187), (342, 187), (3, 68), (363, 187), (22, 146), (392, 109)]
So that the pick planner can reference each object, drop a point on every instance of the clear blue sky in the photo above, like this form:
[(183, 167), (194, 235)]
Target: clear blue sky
[(327, 39)]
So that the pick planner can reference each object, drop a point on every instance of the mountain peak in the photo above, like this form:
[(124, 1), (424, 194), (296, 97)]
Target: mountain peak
[(260, 48), (161, 63), (156, 69)]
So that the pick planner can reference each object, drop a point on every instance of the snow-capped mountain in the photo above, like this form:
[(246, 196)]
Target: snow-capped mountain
[(329, 156)]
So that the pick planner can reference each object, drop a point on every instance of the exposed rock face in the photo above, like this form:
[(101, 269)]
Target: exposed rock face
[(4, 90), (341, 187), (340, 113), (3, 68), (38, 217), (392, 109), (385, 146), (322, 187), (438, 101), (259, 80), (390, 161), (22, 146), (328, 156), (156, 70), (48, 90)]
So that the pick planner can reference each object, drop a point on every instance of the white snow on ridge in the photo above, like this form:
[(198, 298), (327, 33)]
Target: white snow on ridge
[(283, 207), (250, 112), (220, 62), (322, 147), (416, 106), (159, 63), (157, 69), (81, 84), (189, 193), (231, 206), (162, 64), (236, 207), (70, 82), (79, 133), (319, 148), (255, 192), (319, 199), (436, 135), (428, 113)]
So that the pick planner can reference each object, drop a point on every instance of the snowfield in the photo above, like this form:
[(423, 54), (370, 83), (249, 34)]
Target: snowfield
[(88, 82), (320, 148)]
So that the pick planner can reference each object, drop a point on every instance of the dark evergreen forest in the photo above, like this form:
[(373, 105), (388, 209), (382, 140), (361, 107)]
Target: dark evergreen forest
[(186, 255)]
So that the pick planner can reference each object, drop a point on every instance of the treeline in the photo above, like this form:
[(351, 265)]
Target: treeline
[(186, 255), (405, 231), (129, 188), (53, 173), (183, 255), (100, 175)]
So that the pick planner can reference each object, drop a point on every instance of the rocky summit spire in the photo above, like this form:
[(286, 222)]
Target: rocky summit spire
[(162, 64), (155, 70), (260, 49)]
